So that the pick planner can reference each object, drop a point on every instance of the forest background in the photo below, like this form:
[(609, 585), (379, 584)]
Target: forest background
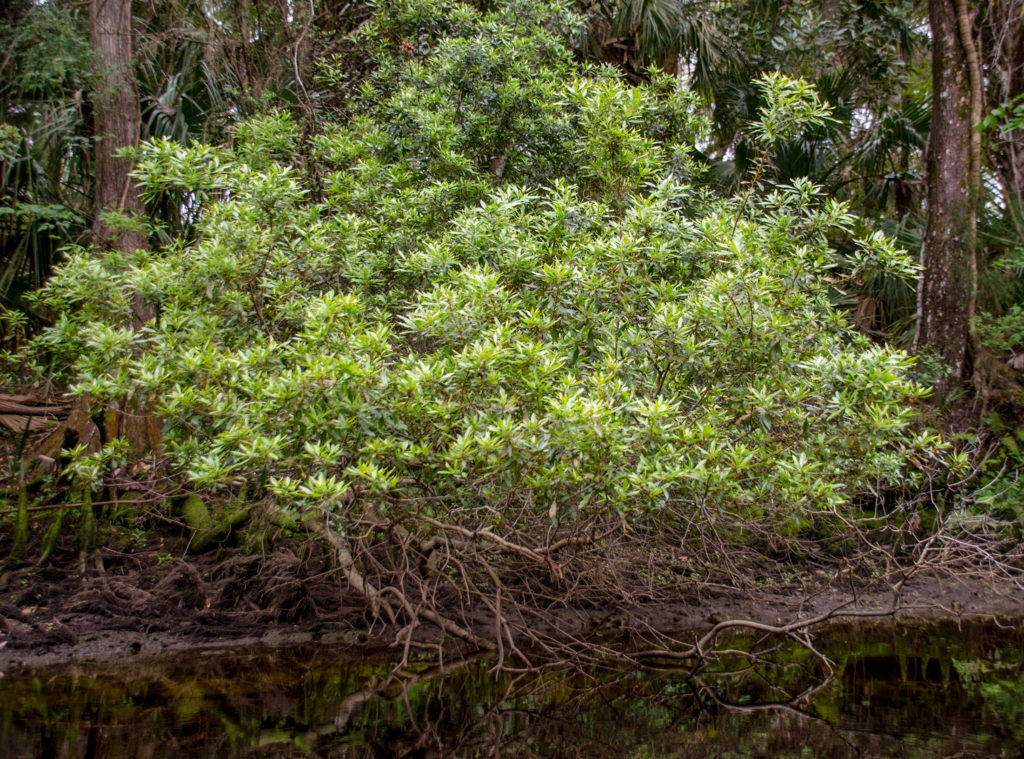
[(503, 305)]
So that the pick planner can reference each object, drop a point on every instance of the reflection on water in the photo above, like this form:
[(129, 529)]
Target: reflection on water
[(898, 691)]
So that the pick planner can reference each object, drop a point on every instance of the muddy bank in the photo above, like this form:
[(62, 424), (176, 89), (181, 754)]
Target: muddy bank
[(157, 601), (41, 638)]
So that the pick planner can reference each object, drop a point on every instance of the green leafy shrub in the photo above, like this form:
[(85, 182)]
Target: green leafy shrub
[(1003, 333), (578, 332)]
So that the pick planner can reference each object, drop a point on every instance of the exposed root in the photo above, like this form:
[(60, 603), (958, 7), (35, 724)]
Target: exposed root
[(532, 592), (494, 590), (347, 566)]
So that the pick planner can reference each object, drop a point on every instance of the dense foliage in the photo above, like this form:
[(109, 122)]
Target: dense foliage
[(498, 283)]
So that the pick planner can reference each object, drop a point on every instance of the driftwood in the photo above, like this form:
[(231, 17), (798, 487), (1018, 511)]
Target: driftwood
[(20, 411)]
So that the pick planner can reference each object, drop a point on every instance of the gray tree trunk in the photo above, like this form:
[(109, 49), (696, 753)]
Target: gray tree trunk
[(117, 118), (946, 290), (1002, 33)]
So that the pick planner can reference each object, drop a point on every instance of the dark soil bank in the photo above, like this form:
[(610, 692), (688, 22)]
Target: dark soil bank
[(155, 599)]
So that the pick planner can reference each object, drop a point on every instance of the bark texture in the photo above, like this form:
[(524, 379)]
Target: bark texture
[(117, 119), (948, 284), (1002, 33)]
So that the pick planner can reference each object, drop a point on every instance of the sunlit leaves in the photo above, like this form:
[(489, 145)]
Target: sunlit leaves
[(571, 328), (793, 105)]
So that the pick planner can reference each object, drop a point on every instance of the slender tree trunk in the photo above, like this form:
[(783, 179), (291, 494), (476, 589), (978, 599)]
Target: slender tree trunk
[(117, 119), (948, 285), (1002, 33)]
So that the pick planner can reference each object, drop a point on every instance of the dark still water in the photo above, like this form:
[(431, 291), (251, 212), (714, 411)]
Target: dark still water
[(909, 690)]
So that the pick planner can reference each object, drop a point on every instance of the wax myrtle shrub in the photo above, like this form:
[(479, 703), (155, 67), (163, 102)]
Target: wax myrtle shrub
[(500, 320)]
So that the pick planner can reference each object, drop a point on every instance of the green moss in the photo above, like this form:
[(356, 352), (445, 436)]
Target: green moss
[(17, 555), (49, 541), (197, 516), (211, 523)]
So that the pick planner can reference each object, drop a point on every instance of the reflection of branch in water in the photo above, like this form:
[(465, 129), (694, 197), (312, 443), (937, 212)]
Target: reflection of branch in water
[(785, 707), (589, 680), (464, 709), (337, 723), (553, 707), (555, 703), (712, 697), (700, 652)]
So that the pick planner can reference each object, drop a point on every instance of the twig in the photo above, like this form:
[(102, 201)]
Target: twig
[(59, 506)]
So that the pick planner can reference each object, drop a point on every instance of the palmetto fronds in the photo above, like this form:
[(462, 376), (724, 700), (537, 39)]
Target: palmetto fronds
[(665, 33), (44, 167)]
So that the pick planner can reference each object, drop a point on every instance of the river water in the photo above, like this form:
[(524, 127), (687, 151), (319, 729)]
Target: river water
[(902, 690)]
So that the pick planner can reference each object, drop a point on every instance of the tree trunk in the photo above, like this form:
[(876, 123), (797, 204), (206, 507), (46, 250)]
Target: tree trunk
[(946, 291), (117, 121), (117, 118), (1002, 32)]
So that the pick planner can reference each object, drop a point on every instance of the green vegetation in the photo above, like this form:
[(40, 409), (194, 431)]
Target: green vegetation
[(504, 299), (595, 335)]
